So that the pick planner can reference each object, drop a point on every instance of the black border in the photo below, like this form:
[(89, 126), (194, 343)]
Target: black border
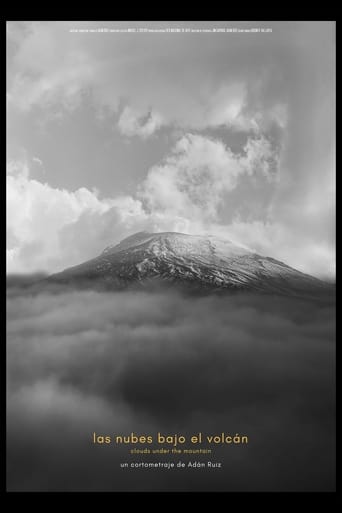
[(179, 499)]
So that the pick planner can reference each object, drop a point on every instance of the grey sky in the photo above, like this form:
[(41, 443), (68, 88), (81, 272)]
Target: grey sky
[(227, 133)]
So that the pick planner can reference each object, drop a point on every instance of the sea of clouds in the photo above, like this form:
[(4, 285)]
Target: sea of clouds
[(116, 363)]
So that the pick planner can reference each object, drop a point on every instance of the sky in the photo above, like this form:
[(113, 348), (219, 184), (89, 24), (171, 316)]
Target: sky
[(199, 131)]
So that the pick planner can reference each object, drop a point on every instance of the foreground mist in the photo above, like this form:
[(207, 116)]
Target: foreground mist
[(85, 361)]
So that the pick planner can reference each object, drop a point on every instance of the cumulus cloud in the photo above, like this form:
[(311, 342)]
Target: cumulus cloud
[(50, 229), (89, 361), (37, 212), (194, 180)]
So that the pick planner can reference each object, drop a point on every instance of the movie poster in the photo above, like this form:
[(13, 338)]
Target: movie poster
[(170, 256)]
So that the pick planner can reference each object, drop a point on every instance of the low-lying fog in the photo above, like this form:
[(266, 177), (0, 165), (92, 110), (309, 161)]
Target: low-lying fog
[(85, 361)]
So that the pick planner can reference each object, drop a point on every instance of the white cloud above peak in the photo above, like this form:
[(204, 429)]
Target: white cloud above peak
[(195, 179)]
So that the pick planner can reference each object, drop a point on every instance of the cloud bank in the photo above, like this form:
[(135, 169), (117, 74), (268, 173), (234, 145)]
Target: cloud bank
[(88, 361)]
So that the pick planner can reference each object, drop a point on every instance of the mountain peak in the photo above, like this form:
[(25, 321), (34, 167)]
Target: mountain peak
[(200, 262), (179, 243), (136, 238)]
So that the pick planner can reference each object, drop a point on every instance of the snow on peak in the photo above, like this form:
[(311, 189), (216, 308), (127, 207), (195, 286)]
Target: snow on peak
[(198, 260), (181, 245)]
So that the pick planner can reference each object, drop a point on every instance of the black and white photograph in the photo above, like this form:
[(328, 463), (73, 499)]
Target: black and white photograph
[(170, 214)]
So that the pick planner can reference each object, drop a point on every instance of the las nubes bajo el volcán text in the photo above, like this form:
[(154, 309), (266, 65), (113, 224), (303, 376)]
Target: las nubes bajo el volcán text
[(173, 440)]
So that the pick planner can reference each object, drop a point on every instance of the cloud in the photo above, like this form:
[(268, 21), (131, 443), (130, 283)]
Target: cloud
[(43, 71), (195, 179), (88, 361), (50, 229), (131, 123), (37, 160), (261, 158), (37, 213), (273, 189), (54, 67), (300, 250)]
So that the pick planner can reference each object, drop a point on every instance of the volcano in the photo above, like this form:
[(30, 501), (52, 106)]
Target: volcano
[(192, 262)]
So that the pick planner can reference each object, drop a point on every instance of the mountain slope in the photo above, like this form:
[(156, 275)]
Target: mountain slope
[(203, 263)]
